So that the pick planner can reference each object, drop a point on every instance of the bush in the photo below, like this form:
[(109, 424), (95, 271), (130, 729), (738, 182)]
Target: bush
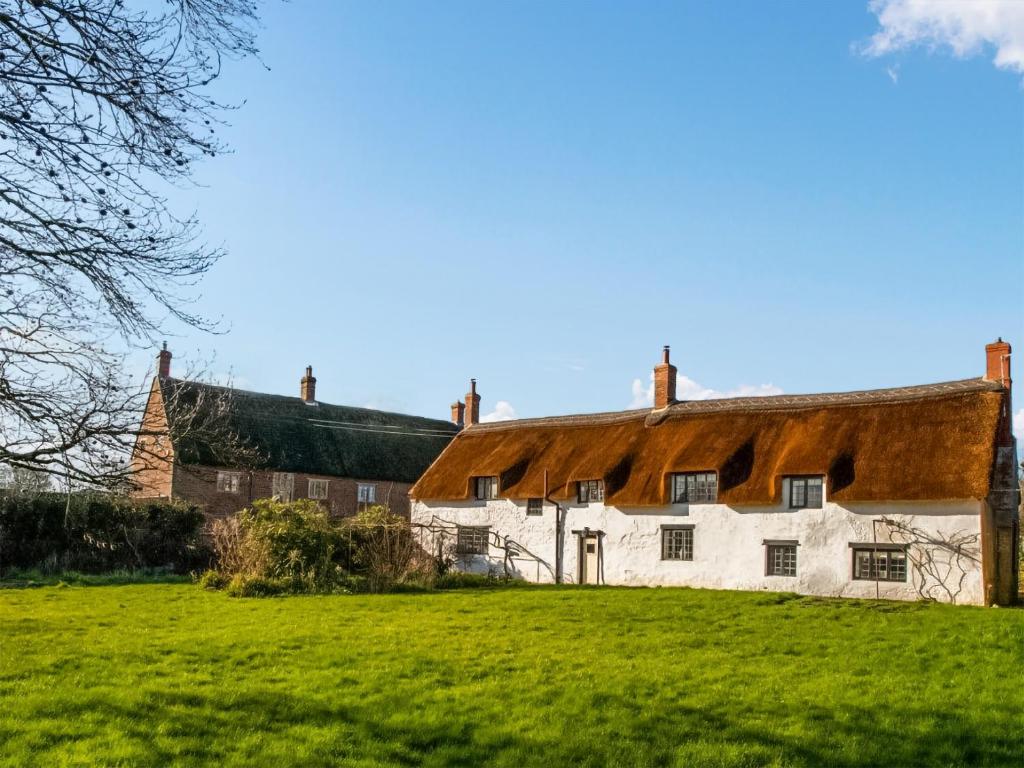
[(98, 533), (383, 548), (457, 580), (212, 580), (258, 586)]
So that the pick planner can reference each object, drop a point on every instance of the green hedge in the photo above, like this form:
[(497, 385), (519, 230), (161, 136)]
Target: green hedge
[(98, 533)]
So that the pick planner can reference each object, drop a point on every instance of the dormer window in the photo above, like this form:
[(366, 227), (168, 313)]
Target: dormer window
[(588, 491), (695, 488), (806, 492), (486, 487)]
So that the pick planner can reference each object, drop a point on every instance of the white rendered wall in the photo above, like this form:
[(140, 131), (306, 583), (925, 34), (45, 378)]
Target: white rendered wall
[(728, 549)]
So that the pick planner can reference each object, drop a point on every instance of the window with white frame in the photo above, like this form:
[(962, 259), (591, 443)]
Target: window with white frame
[(472, 539), (366, 493), (535, 506), (485, 487), (695, 488), (229, 482), (874, 563), (806, 492), (283, 485), (590, 490), (318, 489), (780, 558), (677, 542)]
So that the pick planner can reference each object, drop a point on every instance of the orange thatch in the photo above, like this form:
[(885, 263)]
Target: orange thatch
[(915, 443)]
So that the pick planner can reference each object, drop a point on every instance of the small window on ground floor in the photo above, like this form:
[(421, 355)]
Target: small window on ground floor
[(366, 493), (873, 564), (318, 489), (472, 539), (781, 558), (229, 482), (283, 485), (535, 506), (677, 543)]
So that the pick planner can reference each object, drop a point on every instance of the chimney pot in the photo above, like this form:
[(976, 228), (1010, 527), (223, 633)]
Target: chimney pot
[(997, 368), (307, 387), (163, 362), (664, 381), (472, 405)]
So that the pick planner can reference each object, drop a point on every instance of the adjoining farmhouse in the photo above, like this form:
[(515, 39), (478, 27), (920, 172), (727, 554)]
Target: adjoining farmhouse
[(901, 493), (231, 446)]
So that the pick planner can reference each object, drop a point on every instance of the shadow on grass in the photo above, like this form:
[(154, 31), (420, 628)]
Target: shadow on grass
[(602, 729)]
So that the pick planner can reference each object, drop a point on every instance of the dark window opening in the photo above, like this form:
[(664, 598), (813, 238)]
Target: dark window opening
[(695, 487), (590, 490), (870, 564), (781, 560), (805, 492), (486, 487), (472, 539), (535, 506), (676, 543)]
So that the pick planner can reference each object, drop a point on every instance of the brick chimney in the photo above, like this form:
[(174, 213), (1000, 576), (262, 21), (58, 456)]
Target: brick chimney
[(472, 405), (997, 368), (307, 387), (664, 382), (458, 413), (997, 362), (163, 362)]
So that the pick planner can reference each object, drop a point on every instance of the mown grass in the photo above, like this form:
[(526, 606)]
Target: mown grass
[(168, 674)]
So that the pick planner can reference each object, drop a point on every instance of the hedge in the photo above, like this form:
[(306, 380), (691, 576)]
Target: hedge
[(98, 533)]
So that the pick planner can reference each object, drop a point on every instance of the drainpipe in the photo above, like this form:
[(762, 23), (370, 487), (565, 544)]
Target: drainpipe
[(559, 530)]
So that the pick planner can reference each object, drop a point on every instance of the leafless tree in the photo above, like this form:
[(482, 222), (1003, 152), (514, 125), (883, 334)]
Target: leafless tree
[(102, 105)]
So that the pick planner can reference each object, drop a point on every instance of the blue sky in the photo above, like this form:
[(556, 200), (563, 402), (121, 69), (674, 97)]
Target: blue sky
[(541, 195)]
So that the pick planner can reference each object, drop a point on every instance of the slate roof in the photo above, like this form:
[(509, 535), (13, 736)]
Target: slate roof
[(323, 439), (930, 442)]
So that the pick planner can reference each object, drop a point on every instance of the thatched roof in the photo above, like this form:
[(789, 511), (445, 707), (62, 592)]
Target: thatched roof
[(322, 439), (911, 443)]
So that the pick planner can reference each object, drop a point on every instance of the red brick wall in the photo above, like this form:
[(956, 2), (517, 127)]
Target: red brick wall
[(198, 485), (153, 457)]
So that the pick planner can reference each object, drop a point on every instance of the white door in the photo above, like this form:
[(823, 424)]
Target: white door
[(590, 566)]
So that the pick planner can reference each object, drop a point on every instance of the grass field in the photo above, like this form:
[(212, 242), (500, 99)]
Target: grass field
[(161, 674)]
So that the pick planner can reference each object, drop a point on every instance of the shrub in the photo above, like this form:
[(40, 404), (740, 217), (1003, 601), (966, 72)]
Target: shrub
[(290, 540), (258, 586), (383, 548), (98, 533), (457, 580), (212, 580)]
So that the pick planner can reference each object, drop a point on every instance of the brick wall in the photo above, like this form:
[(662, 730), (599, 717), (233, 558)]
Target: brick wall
[(198, 485)]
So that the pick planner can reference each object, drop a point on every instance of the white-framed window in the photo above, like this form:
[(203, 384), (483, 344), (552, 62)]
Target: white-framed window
[(677, 542), (229, 482), (535, 506), (590, 490), (472, 539), (318, 489), (283, 485), (695, 488), (806, 492), (873, 562), (486, 487), (366, 493), (780, 558)]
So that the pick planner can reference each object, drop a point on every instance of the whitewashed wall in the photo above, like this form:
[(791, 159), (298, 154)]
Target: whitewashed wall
[(728, 549)]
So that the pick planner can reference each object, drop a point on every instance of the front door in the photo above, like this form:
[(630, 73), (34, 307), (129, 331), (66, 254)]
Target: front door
[(590, 566)]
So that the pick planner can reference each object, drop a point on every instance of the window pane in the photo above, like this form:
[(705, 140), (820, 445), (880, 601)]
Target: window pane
[(798, 492)]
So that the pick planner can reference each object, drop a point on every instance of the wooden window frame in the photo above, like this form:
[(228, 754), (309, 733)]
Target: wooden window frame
[(803, 481), (686, 546), (770, 546), (280, 479), (874, 553), (595, 491), (466, 544), (235, 484), (535, 507), (315, 482), (684, 498), (492, 484)]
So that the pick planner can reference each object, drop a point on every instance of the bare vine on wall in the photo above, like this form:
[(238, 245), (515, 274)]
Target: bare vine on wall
[(940, 562)]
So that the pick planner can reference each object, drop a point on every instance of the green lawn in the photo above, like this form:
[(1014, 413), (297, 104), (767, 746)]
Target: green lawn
[(160, 674)]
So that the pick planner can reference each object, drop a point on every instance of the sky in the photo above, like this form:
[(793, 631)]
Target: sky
[(797, 197)]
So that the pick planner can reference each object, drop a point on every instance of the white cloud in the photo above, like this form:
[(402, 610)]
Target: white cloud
[(688, 389), (965, 27), (503, 411), (1018, 424)]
